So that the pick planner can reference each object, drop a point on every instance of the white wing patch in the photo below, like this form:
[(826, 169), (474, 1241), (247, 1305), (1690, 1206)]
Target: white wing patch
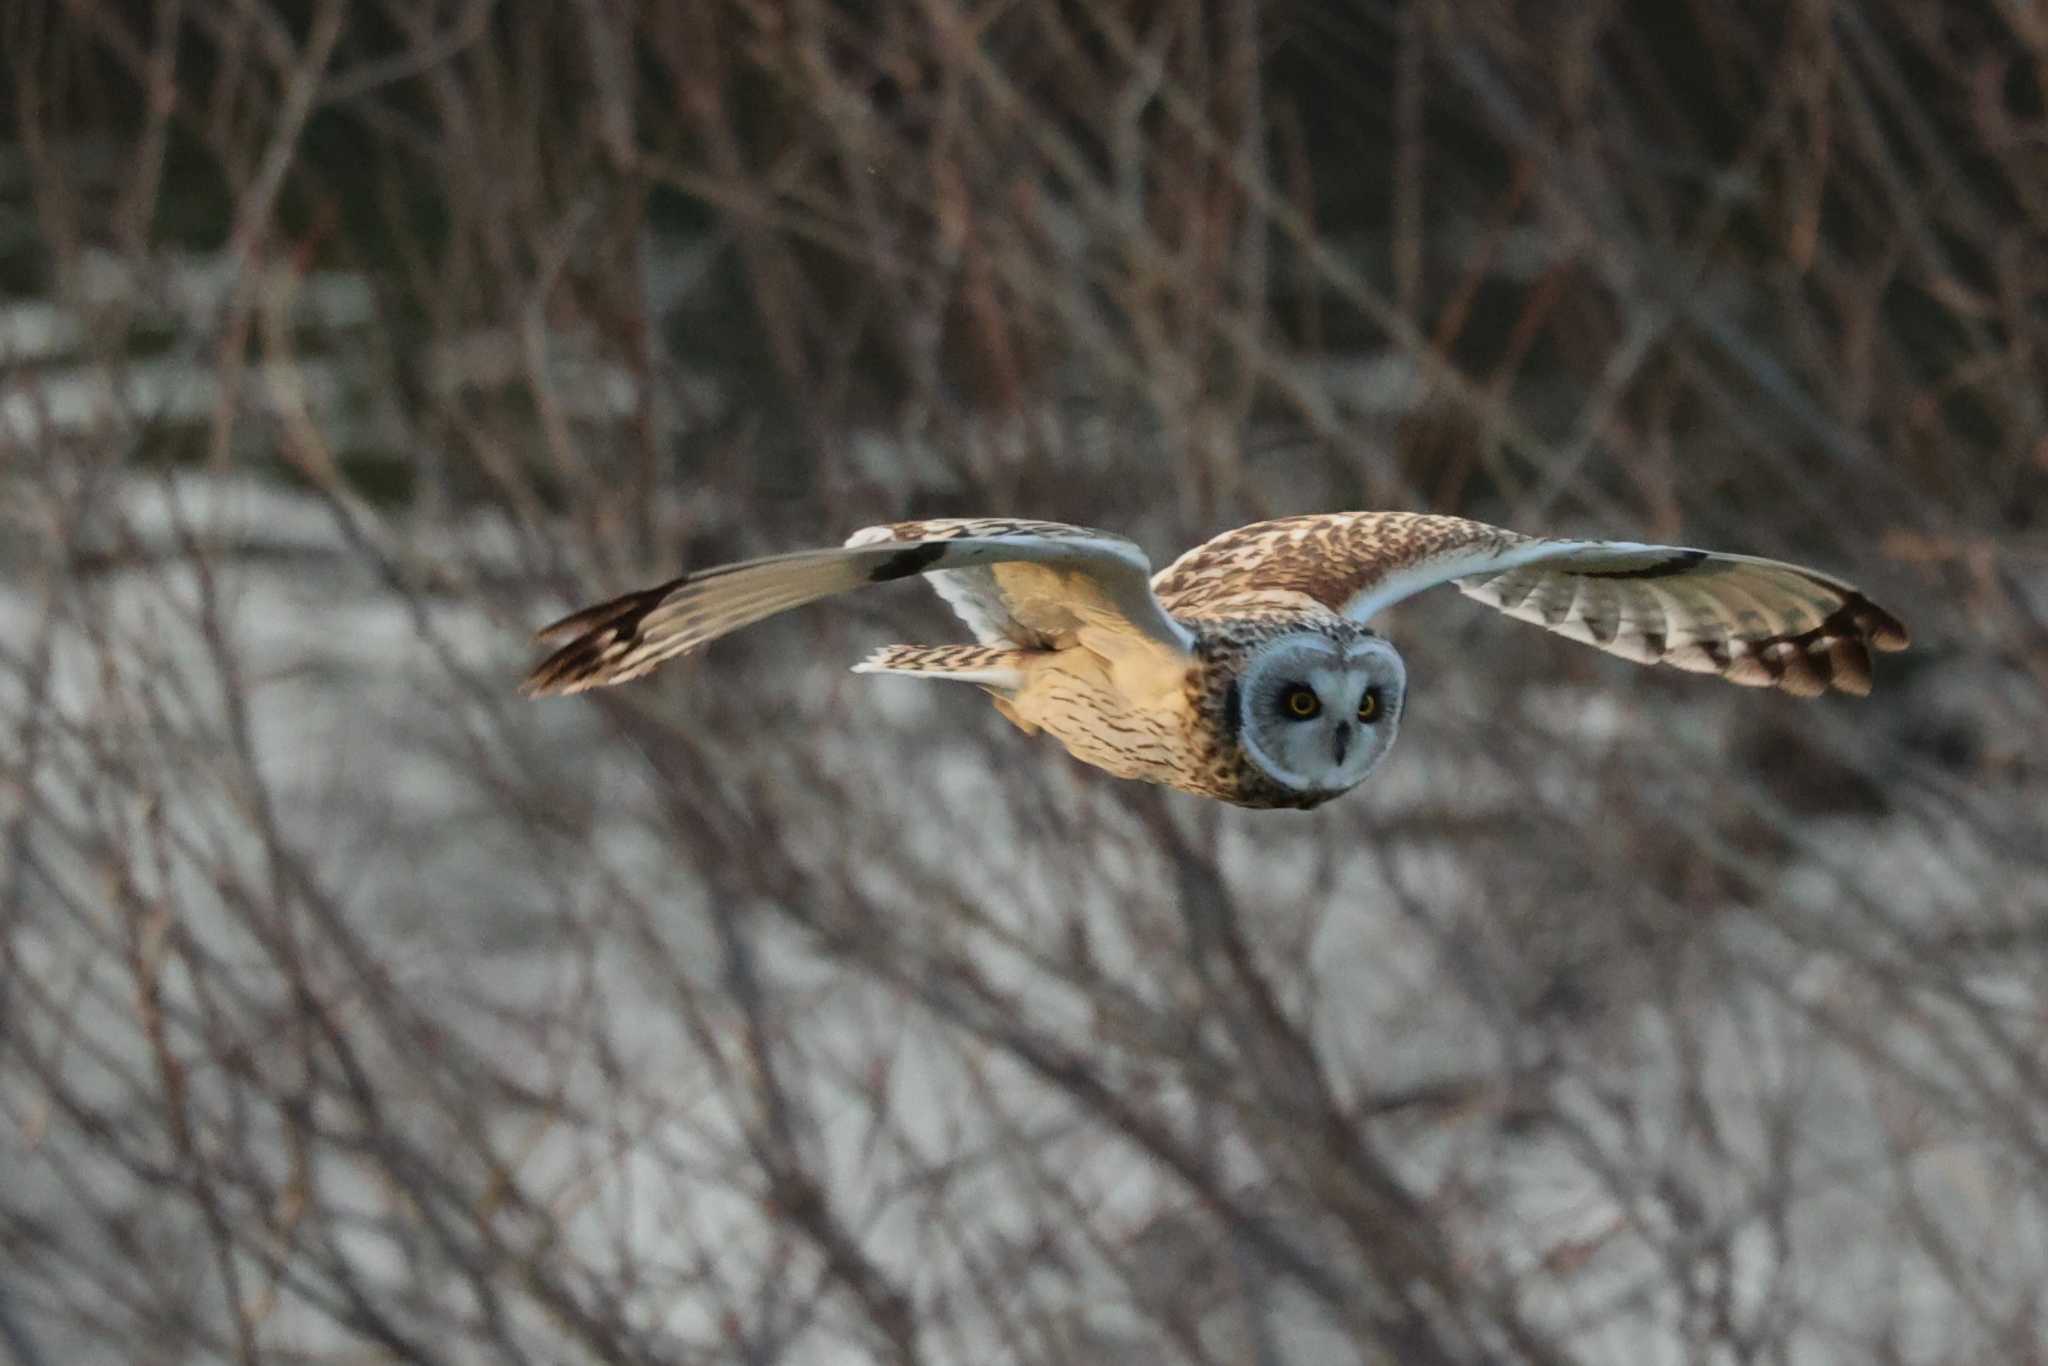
[(1036, 605), (1408, 580), (1753, 621), (1760, 623), (971, 593), (1054, 584)]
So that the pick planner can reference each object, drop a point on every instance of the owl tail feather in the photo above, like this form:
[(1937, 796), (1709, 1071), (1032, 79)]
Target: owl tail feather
[(992, 666)]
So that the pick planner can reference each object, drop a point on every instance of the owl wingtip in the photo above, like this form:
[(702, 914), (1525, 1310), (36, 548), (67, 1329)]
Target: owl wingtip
[(1884, 631), (543, 682)]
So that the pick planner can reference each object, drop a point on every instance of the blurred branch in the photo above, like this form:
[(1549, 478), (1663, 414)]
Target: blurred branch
[(757, 1013)]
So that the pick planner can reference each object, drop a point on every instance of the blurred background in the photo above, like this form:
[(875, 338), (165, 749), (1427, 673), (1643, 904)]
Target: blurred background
[(354, 1009)]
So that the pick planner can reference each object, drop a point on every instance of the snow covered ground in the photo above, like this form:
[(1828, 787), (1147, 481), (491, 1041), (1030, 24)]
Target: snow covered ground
[(1668, 1048)]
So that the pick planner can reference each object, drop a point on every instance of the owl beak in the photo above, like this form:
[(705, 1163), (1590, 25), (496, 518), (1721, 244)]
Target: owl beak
[(1343, 741)]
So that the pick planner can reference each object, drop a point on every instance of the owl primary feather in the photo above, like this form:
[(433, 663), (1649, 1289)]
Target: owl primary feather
[(1245, 670)]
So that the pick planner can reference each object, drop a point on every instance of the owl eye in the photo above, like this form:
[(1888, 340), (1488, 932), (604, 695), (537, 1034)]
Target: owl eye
[(1369, 705), (1301, 703)]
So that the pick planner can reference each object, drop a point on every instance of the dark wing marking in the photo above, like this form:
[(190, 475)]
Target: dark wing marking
[(1758, 622), (995, 601), (1058, 584), (1761, 623)]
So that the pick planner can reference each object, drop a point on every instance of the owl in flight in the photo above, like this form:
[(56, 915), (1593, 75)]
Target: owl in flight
[(1245, 670)]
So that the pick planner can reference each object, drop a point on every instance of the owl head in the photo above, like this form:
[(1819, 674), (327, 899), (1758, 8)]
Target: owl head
[(1316, 712)]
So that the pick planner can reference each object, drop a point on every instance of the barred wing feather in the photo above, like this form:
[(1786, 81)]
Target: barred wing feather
[(1757, 622), (1056, 579)]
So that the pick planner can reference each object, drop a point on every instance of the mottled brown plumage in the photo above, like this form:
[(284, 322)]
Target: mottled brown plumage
[(1329, 557), (1243, 670), (1760, 623)]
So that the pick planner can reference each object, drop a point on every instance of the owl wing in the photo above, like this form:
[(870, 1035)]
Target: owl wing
[(1052, 581), (1761, 623)]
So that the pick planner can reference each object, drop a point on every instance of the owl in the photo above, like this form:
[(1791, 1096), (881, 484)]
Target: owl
[(1246, 670)]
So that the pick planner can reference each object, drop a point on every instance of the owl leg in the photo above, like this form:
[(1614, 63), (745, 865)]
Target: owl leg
[(997, 667)]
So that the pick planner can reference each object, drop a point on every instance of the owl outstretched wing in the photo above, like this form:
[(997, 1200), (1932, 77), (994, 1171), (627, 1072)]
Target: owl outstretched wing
[(1757, 622), (1045, 581)]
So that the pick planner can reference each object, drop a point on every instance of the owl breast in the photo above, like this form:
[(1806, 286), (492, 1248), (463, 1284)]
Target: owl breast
[(1072, 695), (1183, 734)]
